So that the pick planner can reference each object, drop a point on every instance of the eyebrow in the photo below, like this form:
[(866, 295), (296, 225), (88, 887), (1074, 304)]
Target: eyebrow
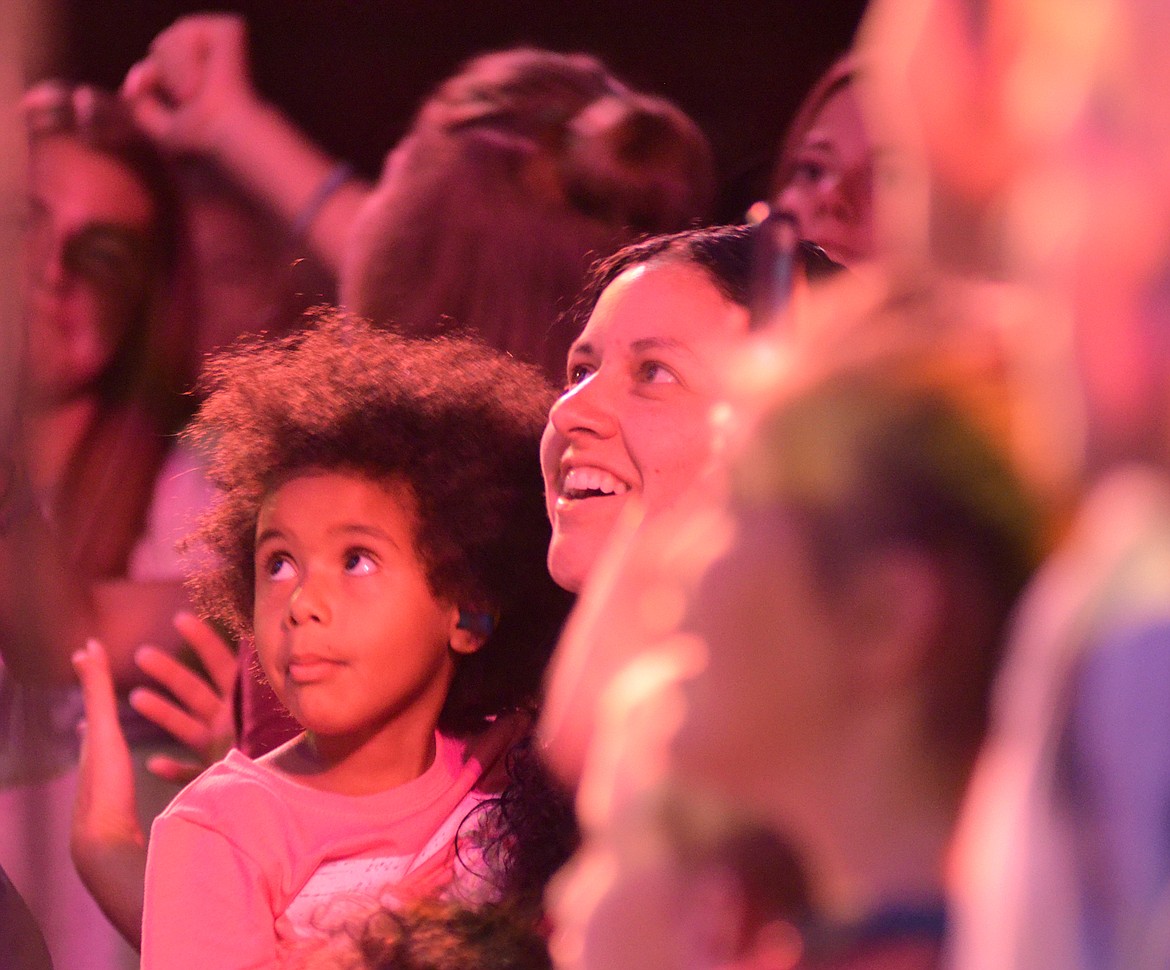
[(661, 343), (585, 348), (345, 529), (38, 204), (823, 143), (638, 346)]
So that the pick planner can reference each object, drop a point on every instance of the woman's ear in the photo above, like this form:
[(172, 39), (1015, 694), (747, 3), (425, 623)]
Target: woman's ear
[(471, 630)]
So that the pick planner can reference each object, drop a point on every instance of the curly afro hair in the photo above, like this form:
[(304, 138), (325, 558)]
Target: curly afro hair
[(456, 422)]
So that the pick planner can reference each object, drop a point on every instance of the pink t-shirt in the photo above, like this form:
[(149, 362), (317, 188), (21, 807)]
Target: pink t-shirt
[(247, 868)]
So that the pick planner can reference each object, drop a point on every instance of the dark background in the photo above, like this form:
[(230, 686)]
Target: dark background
[(350, 72)]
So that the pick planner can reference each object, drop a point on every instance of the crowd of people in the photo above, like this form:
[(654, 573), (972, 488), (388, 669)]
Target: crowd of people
[(500, 565)]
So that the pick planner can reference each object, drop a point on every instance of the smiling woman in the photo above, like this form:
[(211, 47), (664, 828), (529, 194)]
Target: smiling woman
[(642, 378)]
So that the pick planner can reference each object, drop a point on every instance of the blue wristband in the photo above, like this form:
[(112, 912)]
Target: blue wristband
[(337, 177)]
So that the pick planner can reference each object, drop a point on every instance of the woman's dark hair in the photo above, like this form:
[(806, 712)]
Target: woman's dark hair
[(518, 172), (523, 835), (724, 253), (456, 422), (436, 935)]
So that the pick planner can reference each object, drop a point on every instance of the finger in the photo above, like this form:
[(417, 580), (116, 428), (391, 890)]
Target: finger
[(176, 721), (190, 689), (44, 95), (181, 53), (153, 115), (227, 48), (141, 80), (92, 665), (176, 770), (104, 801), (215, 653)]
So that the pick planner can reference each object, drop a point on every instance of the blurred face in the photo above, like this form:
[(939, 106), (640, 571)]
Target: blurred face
[(775, 689), (242, 283), (347, 629), (830, 193), (88, 258), (624, 902), (634, 423)]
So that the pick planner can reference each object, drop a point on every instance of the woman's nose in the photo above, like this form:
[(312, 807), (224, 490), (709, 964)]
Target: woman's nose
[(46, 255), (588, 407)]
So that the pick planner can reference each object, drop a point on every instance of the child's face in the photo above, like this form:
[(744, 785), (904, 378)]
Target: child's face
[(347, 629)]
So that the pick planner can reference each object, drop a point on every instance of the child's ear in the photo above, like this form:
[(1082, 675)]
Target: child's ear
[(471, 630)]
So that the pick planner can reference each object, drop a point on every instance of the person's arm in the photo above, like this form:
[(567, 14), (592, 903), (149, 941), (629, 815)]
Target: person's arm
[(106, 841), (108, 846), (193, 92)]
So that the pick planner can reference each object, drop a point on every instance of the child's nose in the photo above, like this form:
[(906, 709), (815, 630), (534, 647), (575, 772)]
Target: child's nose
[(307, 604)]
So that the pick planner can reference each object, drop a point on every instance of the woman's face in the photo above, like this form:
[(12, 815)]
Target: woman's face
[(87, 263), (634, 422), (830, 191)]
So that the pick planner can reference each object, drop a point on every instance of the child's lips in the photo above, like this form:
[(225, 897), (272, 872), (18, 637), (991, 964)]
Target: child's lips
[(311, 668)]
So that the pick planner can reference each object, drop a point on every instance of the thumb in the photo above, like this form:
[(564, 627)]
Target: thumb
[(154, 116), (97, 691)]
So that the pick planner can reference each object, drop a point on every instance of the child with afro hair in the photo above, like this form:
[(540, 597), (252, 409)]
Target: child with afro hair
[(380, 532)]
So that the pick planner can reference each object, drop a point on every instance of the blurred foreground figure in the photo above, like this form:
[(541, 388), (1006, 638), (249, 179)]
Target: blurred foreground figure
[(810, 639), (1047, 129)]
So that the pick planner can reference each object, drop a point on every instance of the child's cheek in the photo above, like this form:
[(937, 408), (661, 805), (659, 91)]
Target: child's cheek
[(266, 625)]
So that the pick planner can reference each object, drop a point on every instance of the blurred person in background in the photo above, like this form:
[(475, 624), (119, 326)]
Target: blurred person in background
[(824, 178), (517, 172), (106, 359)]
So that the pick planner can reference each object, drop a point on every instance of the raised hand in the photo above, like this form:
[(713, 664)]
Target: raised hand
[(106, 840), (194, 84), (200, 714)]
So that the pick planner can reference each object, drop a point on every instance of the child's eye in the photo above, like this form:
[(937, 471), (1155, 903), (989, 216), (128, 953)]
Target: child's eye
[(653, 372), (279, 566), (360, 562)]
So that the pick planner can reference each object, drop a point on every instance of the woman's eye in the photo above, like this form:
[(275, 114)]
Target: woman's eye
[(359, 562), (652, 372), (279, 566), (809, 172), (577, 373)]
